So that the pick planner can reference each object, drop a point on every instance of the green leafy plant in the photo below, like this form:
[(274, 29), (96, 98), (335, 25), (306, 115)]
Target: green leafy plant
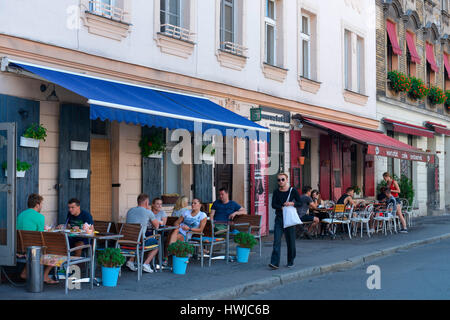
[(35, 131), (399, 82), (180, 249), (213, 151), (436, 95), (404, 183), (152, 144), (110, 258), (20, 165), (357, 189), (447, 101), (245, 240), (418, 89)]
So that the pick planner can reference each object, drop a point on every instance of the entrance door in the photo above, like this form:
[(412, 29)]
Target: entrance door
[(8, 194), (101, 180), (276, 152)]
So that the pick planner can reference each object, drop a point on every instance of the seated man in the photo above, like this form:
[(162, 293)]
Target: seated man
[(347, 198), (32, 220), (75, 220), (224, 209), (303, 211), (141, 214)]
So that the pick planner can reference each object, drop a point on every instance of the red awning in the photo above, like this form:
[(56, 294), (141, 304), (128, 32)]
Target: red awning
[(407, 128), (438, 128), (447, 66), (430, 57), (390, 27), (377, 143), (412, 48)]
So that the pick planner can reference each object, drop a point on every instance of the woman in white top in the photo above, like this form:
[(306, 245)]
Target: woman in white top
[(192, 220), (180, 206)]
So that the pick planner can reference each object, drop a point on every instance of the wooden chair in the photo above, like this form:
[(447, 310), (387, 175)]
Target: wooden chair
[(102, 227), (254, 226), (59, 253), (131, 245)]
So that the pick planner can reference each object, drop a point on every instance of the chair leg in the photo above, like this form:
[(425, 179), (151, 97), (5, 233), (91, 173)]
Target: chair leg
[(67, 280), (210, 252), (260, 246)]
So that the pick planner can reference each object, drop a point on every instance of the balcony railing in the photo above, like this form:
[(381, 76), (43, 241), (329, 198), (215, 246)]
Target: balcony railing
[(177, 32), (234, 48), (106, 10)]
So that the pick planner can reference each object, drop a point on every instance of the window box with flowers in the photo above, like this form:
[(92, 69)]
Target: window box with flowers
[(447, 101), (398, 81), (436, 95), (418, 89), (153, 145)]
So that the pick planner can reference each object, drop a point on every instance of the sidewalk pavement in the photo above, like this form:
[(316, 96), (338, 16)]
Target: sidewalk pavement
[(233, 280)]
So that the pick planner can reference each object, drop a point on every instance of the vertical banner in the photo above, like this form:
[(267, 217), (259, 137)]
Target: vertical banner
[(259, 182)]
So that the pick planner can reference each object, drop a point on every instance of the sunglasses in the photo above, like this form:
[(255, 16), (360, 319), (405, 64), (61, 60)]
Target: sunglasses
[(281, 180)]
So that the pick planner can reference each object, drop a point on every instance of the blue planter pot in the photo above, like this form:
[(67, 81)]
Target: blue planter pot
[(242, 254), (110, 276), (179, 265)]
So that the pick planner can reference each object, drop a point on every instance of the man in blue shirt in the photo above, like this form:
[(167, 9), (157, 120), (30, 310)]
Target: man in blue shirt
[(225, 209)]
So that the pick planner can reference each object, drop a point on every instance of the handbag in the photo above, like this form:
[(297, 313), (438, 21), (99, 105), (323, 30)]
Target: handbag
[(290, 215)]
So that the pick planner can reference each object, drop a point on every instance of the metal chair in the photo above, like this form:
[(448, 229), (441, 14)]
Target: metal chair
[(58, 250), (386, 219), (250, 224), (335, 220), (363, 218), (406, 210)]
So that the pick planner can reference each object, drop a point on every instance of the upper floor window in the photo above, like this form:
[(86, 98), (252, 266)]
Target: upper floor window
[(231, 26), (444, 5), (271, 30), (354, 62), (175, 19), (348, 59), (432, 67), (170, 13), (112, 9), (305, 35)]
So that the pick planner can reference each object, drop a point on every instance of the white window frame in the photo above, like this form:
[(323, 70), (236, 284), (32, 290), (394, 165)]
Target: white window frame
[(347, 60), (360, 64), (273, 23), (168, 14), (305, 37), (231, 4), (444, 4)]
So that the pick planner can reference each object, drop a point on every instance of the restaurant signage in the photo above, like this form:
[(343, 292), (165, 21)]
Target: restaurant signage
[(399, 154)]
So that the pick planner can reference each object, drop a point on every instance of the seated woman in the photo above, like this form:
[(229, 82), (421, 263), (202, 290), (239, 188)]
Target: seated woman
[(192, 220), (317, 199), (180, 206)]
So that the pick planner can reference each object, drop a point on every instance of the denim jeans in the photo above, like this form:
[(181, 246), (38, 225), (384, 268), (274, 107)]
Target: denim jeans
[(289, 234)]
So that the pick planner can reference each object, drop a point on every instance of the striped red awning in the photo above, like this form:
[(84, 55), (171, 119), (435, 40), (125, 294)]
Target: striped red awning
[(438, 128), (412, 48), (430, 57), (377, 143), (406, 128), (390, 27), (446, 64)]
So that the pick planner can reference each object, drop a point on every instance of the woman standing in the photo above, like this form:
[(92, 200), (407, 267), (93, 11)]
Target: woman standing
[(283, 196), (392, 185)]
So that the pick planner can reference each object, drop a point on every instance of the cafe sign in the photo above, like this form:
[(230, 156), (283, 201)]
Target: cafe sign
[(399, 154)]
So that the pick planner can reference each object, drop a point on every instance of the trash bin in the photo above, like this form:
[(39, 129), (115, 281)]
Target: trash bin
[(35, 270)]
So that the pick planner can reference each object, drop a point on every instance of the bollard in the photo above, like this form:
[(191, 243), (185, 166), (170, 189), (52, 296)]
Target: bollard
[(35, 270)]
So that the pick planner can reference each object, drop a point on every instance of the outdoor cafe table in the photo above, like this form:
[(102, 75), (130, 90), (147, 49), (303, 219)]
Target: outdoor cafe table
[(229, 223), (94, 237)]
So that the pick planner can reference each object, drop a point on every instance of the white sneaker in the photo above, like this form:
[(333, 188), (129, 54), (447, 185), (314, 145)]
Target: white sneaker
[(131, 266), (147, 268), (372, 230)]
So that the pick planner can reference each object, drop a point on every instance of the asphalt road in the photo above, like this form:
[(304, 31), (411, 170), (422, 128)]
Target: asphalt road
[(419, 273)]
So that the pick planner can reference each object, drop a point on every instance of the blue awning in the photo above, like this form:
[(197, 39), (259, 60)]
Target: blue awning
[(139, 105)]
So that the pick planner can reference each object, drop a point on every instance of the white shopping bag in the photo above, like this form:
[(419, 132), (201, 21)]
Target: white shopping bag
[(290, 215)]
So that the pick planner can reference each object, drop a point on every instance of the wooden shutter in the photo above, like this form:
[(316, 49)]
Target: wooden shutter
[(296, 152), (369, 175), (23, 112), (325, 166), (336, 165), (74, 125), (203, 182), (346, 165), (151, 169)]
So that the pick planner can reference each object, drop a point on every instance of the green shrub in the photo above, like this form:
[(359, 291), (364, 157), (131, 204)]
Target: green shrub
[(110, 258), (35, 131), (152, 144), (245, 240), (406, 187), (20, 165), (180, 249)]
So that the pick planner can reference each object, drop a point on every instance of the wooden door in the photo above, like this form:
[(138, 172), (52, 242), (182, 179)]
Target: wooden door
[(223, 177), (101, 180), (336, 168), (346, 165), (152, 169), (296, 153)]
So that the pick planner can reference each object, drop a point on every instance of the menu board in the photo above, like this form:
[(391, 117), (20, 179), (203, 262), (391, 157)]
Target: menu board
[(259, 182)]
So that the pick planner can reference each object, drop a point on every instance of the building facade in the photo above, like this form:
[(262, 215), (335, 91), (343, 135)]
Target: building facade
[(412, 38)]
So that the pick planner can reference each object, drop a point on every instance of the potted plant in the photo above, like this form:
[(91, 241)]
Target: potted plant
[(398, 81), (110, 259), (21, 168), (209, 156), (447, 101), (302, 144), (357, 190), (152, 145), (418, 89), (170, 198), (180, 251), (32, 135), (436, 95), (301, 160), (245, 242)]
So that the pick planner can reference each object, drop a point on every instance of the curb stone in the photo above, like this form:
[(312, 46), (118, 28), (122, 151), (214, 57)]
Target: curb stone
[(282, 279)]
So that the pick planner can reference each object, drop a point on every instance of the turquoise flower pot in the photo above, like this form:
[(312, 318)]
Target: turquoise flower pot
[(242, 254), (179, 265), (110, 276)]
